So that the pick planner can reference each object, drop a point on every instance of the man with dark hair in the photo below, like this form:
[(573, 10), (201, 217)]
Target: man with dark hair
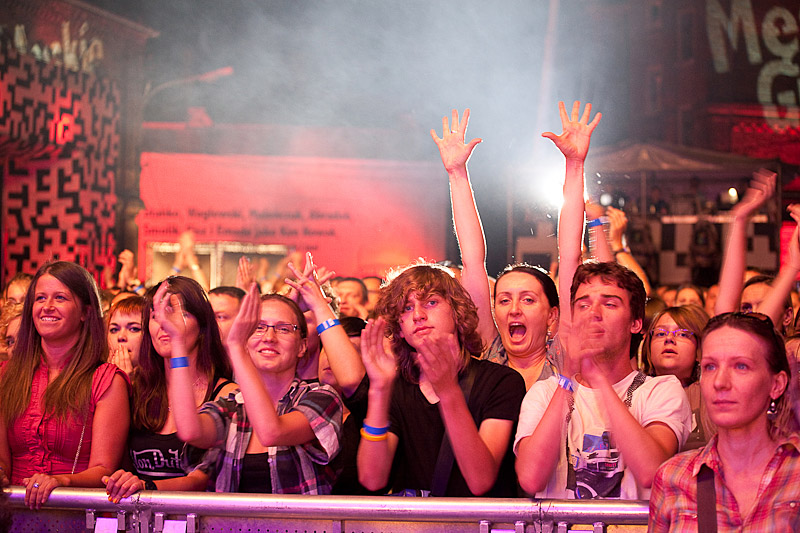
[(600, 430), (225, 301), (352, 295), (373, 285), (754, 295)]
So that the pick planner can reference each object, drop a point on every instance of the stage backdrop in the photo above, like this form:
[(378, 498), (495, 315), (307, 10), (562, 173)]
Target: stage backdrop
[(358, 217)]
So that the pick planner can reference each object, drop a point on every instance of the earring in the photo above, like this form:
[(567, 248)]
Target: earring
[(772, 410)]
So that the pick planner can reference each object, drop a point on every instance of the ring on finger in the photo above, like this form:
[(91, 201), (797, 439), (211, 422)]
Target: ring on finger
[(36, 485)]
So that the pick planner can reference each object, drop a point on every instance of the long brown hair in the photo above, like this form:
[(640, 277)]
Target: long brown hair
[(70, 392), (426, 279), (150, 402)]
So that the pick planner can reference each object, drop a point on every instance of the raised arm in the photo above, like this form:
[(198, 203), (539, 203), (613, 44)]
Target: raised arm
[(598, 243), (469, 231), (618, 224), (345, 362), (731, 278), (291, 429), (774, 305), (375, 454), (574, 144)]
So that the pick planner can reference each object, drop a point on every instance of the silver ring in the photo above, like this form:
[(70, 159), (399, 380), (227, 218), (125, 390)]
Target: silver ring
[(36, 485)]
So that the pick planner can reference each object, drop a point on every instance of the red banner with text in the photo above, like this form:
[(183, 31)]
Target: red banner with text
[(358, 217)]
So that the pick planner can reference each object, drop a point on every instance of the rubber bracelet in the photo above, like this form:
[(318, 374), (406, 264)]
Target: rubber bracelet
[(594, 223), (373, 438), (375, 431), (327, 324), (622, 251), (565, 383), (150, 485), (176, 269), (140, 287), (179, 362)]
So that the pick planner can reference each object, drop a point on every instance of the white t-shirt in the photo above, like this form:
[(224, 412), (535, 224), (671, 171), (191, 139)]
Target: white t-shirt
[(599, 468)]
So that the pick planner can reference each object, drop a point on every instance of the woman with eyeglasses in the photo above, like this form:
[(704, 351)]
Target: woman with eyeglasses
[(278, 434), (672, 346), (747, 478)]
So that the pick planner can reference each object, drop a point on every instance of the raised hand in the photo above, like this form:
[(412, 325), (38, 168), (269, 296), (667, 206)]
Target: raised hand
[(168, 311), (454, 151), (247, 318), (308, 288), (120, 357), (617, 224), (760, 189), (245, 274), (122, 484), (794, 243), (438, 361), (381, 366), (574, 140)]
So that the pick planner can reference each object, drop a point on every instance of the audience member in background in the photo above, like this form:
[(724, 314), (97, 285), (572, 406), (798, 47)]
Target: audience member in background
[(10, 319), (732, 275), (443, 396), (373, 284), (526, 305), (64, 413), (186, 258), (226, 302), (125, 332), (279, 434), (672, 346), (753, 464), (353, 297), (160, 459), (16, 288), (688, 294), (618, 425), (710, 298)]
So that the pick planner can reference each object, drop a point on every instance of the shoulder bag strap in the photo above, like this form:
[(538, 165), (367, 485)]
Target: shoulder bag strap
[(706, 501), (444, 463)]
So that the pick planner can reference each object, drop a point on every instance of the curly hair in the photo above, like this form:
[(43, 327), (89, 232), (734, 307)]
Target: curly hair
[(423, 280), (691, 317)]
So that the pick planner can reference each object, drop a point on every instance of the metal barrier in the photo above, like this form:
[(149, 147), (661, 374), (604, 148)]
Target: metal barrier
[(70, 509)]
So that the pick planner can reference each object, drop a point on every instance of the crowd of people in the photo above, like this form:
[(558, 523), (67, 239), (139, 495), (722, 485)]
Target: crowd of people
[(581, 382)]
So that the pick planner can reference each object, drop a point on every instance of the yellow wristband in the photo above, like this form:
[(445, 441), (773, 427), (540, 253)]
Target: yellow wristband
[(373, 438)]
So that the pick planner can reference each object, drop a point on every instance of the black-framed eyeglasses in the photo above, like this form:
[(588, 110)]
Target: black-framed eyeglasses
[(281, 328)]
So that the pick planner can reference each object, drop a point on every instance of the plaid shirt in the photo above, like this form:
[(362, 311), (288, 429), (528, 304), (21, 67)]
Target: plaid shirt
[(293, 469), (673, 501)]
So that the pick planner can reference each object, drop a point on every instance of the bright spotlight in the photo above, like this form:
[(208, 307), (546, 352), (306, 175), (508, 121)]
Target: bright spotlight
[(733, 194)]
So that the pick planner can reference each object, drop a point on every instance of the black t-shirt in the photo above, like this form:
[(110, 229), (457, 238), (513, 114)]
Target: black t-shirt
[(157, 456), (497, 392)]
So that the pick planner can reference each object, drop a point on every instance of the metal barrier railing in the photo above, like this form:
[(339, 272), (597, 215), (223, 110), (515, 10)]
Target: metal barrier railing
[(147, 511)]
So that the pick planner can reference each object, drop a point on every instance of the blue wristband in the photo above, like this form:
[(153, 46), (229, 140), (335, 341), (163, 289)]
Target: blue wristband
[(140, 287), (176, 269), (179, 362), (375, 431), (565, 383), (327, 324), (594, 223)]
